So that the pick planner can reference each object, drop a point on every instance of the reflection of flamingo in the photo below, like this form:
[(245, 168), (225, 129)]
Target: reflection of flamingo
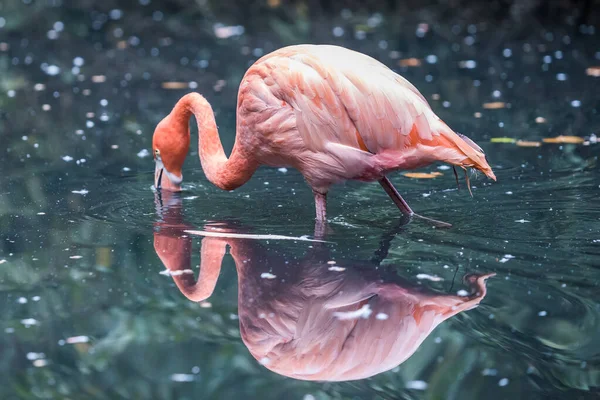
[(308, 322), (331, 113)]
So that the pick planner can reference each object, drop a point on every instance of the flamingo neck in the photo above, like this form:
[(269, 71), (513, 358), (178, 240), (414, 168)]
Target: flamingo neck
[(225, 173)]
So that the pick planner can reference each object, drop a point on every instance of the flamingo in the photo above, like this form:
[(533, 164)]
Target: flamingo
[(331, 113)]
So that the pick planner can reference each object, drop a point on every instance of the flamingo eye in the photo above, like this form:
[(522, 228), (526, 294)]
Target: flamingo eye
[(157, 153)]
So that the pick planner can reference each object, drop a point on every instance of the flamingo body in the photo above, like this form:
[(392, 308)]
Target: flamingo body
[(332, 113)]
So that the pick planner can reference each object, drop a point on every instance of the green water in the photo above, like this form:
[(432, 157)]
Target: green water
[(86, 312)]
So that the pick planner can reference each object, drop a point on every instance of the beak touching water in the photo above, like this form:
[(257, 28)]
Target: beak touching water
[(163, 180)]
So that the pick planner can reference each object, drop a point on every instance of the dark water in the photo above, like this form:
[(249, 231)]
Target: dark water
[(87, 314)]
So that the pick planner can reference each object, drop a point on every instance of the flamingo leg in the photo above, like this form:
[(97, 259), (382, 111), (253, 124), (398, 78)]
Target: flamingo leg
[(321, 218), (403, 205)]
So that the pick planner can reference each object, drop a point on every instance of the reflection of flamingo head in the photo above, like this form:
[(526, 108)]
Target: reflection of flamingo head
[(310, 322)]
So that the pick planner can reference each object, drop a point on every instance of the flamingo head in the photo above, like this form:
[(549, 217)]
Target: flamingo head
[(170, 145), (475, 157)]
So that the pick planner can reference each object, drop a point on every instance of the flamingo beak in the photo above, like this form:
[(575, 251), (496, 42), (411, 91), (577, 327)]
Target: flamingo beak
[(490, 174), (162, 178)]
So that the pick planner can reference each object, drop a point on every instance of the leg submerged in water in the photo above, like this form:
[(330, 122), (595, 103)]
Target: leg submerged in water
[(403, 205)]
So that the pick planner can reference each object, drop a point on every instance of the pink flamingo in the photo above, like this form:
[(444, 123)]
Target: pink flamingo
[(331, 113)]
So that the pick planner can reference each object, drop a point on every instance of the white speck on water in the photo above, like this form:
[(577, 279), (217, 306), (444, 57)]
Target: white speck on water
[(51, 70), (509, 192), (264, 361), (126, 169), (443, 167), (79, 132), (521, 221), (446, 266), (437, 340), (77, 339), (496, 94), (431, 59), (89, 124), (78, 61), (41, 213), (331, 262), (506, 258), (336, 269), (190, 197), (338, 31), (547, 59), (9, 330), (561, 77), (428, 277), (75, 257), (382, 316), (40, 363), (2, 22), (29, 322), (446, 104), (182, 378), (543, 313), (462, 293), (67, 158), (38, 87), (36, 298), (168, 272), (82, 192), (3, 261), (503, 382), (22, 300), (468, 64), (205, 304), (489, 372), (104, 117), (35, 356), (576, 103), (11, 93), (416, 385), (283, 170), (267, 275), (364, 312), (507, 53), (143, 153), (426, 194), (195, 369), (309, 397)]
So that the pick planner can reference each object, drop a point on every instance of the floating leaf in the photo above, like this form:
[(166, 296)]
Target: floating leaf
[(526, 143), (175, 85), (409, 62), (494, 105), (502, 140), (422, 175), (564, 139), (593, 71)]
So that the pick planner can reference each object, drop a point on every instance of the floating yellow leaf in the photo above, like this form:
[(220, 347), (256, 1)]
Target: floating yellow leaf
[(502, 140), (422, 175), (409, 62), (494, 105), (175, 85), (526, 143), (593, 71), (564, 139)]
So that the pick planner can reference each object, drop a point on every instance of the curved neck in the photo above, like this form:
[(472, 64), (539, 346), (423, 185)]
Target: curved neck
[(225, 173)]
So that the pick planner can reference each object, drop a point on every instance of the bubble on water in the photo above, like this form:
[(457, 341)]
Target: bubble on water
[(522, 221), (182, 378), (468, 64), (431, 59), (503, 382), (143, 153), (338, 31), (40, 363), (282, 170), (28, 322), (489, 372), (22, 300), (462, 293), (67, 158), (547, 59), (82, 192), (416, 385), (103, 102), (428, 277), (51, 70), (267, 275), (11, 93), (360, 35), (52, 34), (126, 169), (469, 40), (36, 298), (309, 397), (561, 77), (46, 107), (543, 313), (496, 94), (575, 103), (2, 22), (507, 53), (558, 55), (89, 124), (115, 14), (34, 356), (104, 117)]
